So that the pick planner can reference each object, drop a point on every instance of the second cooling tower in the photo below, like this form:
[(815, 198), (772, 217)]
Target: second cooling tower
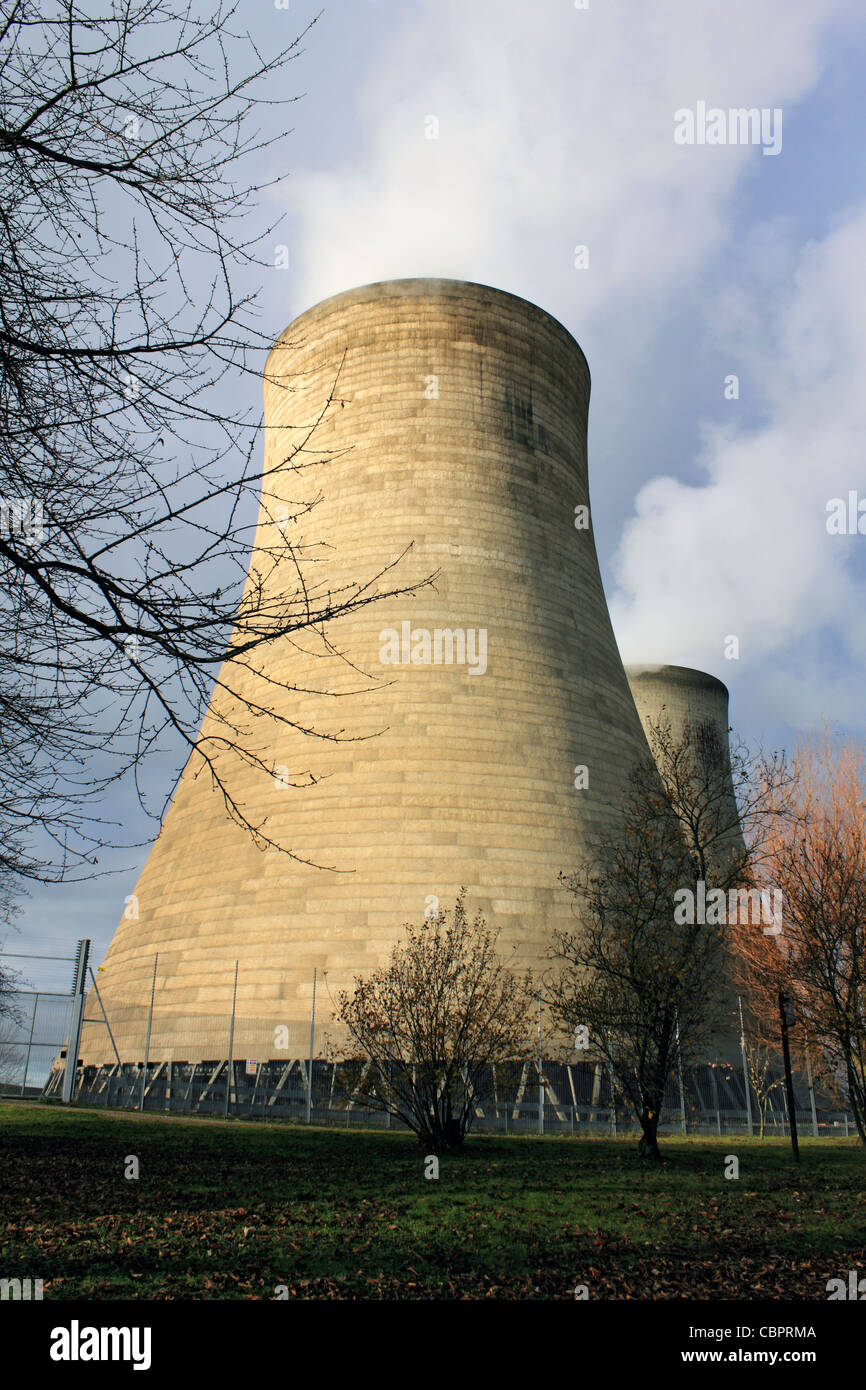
[(476, 732)]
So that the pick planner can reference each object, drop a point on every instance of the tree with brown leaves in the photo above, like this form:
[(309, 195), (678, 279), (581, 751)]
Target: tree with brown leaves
[(816, 859)]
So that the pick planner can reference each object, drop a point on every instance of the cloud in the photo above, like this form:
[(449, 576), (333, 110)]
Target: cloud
[(748, 552), (555, 129)]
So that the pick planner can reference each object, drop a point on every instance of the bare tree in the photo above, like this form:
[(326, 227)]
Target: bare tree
[(429, 1026), (759, 1065), (646, 984), (129, 245), (641, 988), (725, 796), (12, 1054), (10, 982)]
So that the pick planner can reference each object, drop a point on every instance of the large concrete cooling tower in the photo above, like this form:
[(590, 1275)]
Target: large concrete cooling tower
[(457, 426), (696, 699), (689, 698)]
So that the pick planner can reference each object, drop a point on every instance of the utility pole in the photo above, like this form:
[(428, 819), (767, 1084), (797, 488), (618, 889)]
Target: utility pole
[(789, 1082), (680, 1076), (811, 1095), (390, 1050)]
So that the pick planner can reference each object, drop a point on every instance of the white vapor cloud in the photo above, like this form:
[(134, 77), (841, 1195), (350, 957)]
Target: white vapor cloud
[(748, 552), (555, 130)]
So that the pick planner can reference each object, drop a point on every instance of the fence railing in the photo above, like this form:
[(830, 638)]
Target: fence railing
[(162, 1059), (509, 1104)]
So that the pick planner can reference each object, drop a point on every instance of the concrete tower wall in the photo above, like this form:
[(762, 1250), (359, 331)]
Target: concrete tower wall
[(686, 696), (457, 425)]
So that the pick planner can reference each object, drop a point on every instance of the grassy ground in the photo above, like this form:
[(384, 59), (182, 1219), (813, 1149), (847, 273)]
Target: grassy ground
[(234, 1210)]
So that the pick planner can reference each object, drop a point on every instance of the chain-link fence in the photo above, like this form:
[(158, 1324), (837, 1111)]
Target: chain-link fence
[(32, 1034)]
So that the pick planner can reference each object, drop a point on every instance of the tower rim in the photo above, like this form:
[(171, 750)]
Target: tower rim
[(677, 675), (428, 287)]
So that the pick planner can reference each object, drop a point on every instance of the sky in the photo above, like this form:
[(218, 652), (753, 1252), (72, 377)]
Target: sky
[(486, 142)]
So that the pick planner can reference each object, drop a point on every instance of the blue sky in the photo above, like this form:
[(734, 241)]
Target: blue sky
[(555, 129)]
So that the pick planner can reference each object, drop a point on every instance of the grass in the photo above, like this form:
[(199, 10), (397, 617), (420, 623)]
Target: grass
[(235, 1210)]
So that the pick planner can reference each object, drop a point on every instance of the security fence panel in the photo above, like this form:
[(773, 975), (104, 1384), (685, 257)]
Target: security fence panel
[(32, 1036)]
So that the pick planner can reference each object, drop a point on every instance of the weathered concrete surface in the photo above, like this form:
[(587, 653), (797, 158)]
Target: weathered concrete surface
[(437, 777), (686, 696)]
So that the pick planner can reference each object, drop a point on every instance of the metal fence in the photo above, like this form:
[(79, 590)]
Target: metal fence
[(31, 1038), (279, 1091), (158, 1057), (552, 1098)]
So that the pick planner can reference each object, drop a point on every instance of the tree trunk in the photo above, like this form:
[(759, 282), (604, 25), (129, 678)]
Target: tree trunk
[(453, 1135), (854, 1097), (789, 1080), (448, 1131), (648, 1145)]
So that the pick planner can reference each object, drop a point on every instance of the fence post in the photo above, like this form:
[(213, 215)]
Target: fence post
[(680, 1072), (612, 1102), (104, 1014), (30, 1041), (716, 1099), (312, 1044), (811, 1095), (540, 1077), (231, 1045), (147, 1038), (73, 1042), (390, 1051), (745, 1069)]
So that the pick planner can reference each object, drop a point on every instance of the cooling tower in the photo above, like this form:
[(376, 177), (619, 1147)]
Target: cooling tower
[(450, 723), (687, 697), (695, 698)]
